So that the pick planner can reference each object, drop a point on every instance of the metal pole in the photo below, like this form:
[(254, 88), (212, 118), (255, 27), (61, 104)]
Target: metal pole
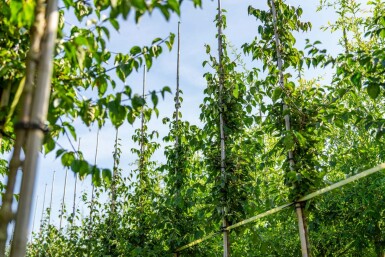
[(299, 209)]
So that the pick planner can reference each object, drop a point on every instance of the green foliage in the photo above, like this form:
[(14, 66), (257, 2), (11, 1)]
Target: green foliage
[(336, 131)]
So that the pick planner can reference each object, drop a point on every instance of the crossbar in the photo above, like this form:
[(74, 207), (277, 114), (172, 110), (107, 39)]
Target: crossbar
[(282, 207)]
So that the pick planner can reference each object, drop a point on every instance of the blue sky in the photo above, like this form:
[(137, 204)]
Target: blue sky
[(197, 29)]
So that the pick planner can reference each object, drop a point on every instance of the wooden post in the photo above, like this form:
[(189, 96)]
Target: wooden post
[(299, 210)]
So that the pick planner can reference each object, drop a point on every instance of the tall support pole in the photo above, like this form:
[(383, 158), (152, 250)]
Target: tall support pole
[(142, 128), (50, 201), (42, 210), (226, 235), (115, 175), (34, 215), (75, 190), (63, 199), (305, 247), (6, 214), (177, 103), (93, 186), (35, 136)]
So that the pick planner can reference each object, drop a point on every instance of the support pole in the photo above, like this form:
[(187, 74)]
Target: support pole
[(63, 199), (50, 202), (6, 214), (177, 103), (35, 136), (299, 210), (226, 236)]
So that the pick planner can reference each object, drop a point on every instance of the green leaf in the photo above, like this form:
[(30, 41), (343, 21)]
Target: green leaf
[(276, 94), (135, 50), (356, 79), (67, 159), (107, 176), (114, 24), (236, 91), (373, 90), (96, 176), (154, 98)]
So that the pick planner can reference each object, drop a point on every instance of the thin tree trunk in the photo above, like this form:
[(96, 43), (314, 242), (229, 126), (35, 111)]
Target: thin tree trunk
[(226, 236), (35, 136), (305, 247)]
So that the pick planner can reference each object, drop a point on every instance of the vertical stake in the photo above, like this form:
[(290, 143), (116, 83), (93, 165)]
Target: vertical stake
[(75, 187), (177, 104), (299, 209), (42, 210), (50, 202), (93, 186), (226, 236), (63, 199)]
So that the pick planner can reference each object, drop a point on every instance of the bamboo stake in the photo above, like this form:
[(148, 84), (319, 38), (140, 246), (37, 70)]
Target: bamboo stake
[(6, 214), (50, 202), (35, 136), (226, 236), (305, 246), (63, 199)]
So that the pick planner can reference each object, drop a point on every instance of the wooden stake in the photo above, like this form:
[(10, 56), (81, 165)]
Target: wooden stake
[(76, 182), (299, 210)]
